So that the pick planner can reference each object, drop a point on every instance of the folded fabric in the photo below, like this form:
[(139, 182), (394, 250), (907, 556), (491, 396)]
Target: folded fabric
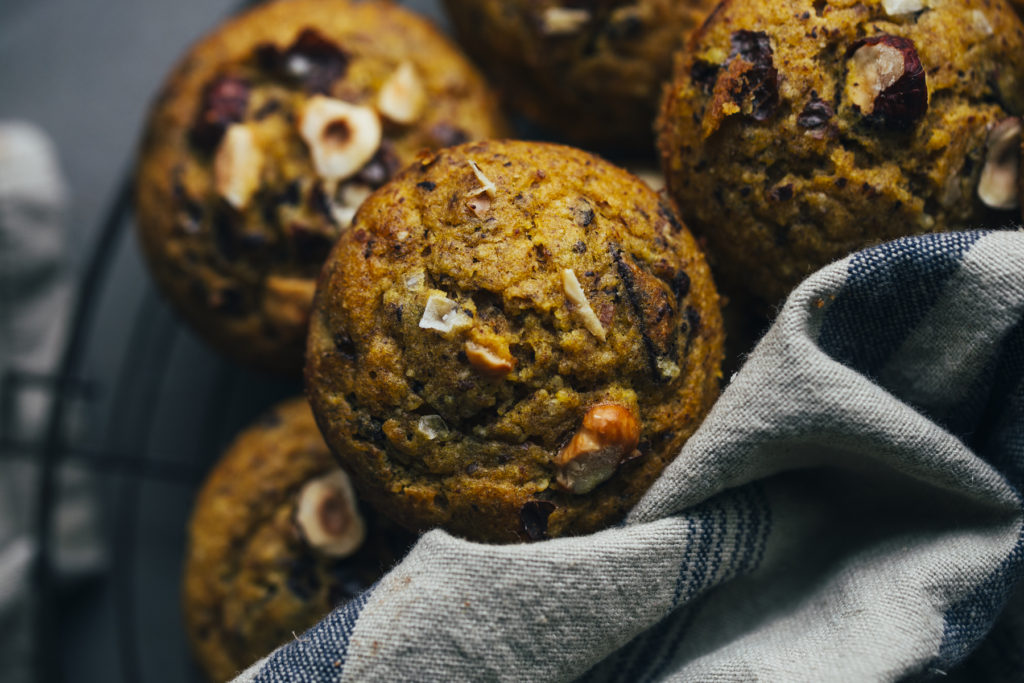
[(850, 510)]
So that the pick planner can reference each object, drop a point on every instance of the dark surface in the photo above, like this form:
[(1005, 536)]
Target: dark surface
[(162, 406)]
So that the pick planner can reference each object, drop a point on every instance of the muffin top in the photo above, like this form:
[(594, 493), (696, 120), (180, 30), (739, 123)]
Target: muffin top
[(592, 72), (798, 131), (265, 139), (275, 542), (512, 341)]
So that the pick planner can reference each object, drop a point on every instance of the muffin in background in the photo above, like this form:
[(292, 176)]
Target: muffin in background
[(799, 131), (590, 72), (511, 342), (264, 140), (276, 540)]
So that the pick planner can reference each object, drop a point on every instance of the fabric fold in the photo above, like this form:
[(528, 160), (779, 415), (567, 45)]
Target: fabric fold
[(849, 510)]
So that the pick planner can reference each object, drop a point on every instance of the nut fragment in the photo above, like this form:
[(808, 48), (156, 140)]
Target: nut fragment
[(609, 436), (327, 517), (432, 427), (402, 98), (896, 7), (998, 184), (443, 314), (490, 356), (342, 137), (289, 300), (237, 166), (574, 292), (557, 21), (485, 183), (347, 201), (885, 81)]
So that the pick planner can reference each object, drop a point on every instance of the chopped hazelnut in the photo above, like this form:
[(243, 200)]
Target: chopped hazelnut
[(885, 81), (402, 98), (432, 427), (289, 299), (557, 21), (327, 517), (574, 292), (896, 7), (485, 183), (237, 166), (480, 205), (998, 184), (491, 358), (608, 436), (347, 201), (341, 137), (443, 314)]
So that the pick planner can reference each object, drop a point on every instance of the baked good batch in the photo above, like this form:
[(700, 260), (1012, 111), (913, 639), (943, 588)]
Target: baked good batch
[(276, 541), (590, 71), (798, 131), (512, 341), (265, 139)]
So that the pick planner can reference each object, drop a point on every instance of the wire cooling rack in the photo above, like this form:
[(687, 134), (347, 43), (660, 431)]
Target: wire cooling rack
[(138, 411)]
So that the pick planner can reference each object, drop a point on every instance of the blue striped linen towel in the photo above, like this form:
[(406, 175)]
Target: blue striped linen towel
[(850, 510)]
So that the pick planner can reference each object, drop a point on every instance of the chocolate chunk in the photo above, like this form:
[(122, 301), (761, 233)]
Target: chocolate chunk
[(758, 81), (345, 346), (816, 114), (320, 203), (311, 245), (681, 285), (669, 215), (653, 306), (781, 193), (302, 578), (312, 61), (446, 135), (426, 185), (704, 74), (382, 167), (533, 517), (579, 247), (223, 102)]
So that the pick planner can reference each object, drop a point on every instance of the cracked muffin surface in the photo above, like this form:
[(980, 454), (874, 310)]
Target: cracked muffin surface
[(512, 341), (254, 572), (265, 139), (591, 71), (796, 132)]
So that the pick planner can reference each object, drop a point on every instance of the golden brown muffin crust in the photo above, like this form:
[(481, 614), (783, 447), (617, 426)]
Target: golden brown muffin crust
[(451, 362)]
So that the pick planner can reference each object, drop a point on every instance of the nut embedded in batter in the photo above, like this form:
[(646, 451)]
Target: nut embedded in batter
[(609, 435), (327, 517)]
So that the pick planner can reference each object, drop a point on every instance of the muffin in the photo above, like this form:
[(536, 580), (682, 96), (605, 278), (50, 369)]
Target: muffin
[(266, 138), (511, 342), (591, 72), (798, 131), (275, 542)]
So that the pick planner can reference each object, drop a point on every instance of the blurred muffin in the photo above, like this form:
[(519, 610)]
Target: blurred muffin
[(798, 131), (275, 542), (511, 342), (266, 138), (590, 71)]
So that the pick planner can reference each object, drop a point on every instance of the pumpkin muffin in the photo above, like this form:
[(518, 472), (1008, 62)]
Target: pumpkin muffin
[(592, 72), (275, 542), (511, 342), (798, 131), (265, 139)]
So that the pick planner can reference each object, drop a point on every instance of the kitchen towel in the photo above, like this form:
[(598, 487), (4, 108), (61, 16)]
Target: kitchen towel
[(850, 510)]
